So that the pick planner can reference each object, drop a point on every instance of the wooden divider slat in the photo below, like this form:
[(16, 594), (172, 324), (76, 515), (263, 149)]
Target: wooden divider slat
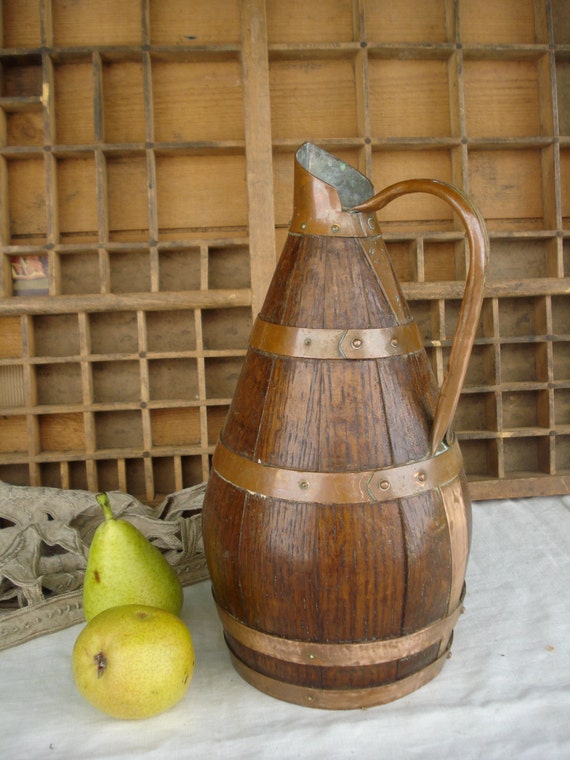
[(255, 68)]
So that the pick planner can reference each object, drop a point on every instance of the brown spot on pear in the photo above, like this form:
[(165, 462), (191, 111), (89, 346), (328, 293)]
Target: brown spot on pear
[(101, 662)]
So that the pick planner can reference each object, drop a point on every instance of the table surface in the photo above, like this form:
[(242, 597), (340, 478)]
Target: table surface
[(505, 692)]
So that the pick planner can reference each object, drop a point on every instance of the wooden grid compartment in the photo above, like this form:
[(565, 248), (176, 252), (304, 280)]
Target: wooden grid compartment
[(146, 172), (105, 394), (478, 97), (126, 272)]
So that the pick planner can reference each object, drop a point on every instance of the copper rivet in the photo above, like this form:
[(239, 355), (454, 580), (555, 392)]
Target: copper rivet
[(421, 477), (335, 227), (311, 657), (356, 342), (384, 485), (394, 342), (308, 341), (304, 484), (303, 225), (371, 223)]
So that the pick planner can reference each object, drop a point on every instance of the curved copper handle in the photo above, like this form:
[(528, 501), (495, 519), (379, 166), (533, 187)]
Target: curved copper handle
[(472, 299)]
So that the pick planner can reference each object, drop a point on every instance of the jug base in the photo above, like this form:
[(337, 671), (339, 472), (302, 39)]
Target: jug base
[(339, 699)]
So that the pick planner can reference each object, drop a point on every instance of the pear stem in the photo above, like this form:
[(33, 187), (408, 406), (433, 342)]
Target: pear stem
[(105, 504)]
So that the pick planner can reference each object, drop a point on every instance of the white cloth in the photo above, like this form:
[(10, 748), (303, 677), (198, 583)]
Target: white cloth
[(505, 693)]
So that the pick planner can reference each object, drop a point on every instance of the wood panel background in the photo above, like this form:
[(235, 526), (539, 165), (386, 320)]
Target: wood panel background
[(146, 164)]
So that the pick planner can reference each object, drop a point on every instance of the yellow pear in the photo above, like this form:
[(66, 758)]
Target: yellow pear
[(133, 661), (123, 567)]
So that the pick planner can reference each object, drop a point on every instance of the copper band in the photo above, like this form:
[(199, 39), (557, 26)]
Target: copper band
[(386, 484), (339, 699), (340, 655), (320, 343), (333, 222)]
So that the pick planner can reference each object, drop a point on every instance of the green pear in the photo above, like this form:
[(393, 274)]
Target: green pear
[(123, 567), (133, 661)]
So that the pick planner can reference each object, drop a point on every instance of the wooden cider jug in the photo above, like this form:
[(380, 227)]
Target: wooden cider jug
[(337, 517)]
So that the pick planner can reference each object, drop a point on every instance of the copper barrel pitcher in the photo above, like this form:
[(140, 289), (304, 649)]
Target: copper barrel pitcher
[(337, 516)]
